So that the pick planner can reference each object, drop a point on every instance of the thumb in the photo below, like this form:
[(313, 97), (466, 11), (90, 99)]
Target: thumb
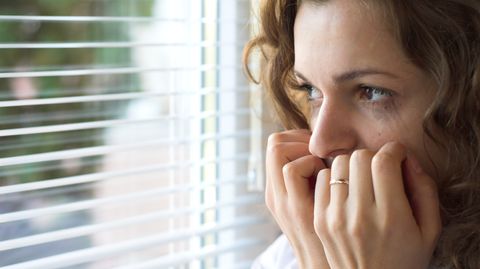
[(422, 193)]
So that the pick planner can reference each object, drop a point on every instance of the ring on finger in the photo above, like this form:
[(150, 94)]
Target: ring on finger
[(339, 181)]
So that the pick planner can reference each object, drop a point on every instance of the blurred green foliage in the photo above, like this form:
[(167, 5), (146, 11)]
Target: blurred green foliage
[(14, 60)]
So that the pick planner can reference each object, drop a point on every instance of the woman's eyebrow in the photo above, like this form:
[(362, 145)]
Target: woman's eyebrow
[(298, 74), (352, 74), (358, 73)]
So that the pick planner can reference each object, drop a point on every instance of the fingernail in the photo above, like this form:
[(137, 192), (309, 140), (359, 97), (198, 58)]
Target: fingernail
[(415, 164)]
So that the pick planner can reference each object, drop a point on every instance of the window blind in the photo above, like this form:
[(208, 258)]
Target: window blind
[(127, 136)]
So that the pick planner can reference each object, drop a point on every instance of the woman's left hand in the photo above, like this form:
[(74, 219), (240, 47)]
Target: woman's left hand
[(383, 218)]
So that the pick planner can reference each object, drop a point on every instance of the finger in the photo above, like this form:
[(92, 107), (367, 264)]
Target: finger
[(340, 171), (330, 221), (300, 176), (423, 197), (361, 186), (387, 179), (277, 156), (330, 240), (298, 131), (298, 135), (322, 191)]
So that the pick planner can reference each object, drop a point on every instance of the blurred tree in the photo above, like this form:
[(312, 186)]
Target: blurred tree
[(14, 31), (13, 60)]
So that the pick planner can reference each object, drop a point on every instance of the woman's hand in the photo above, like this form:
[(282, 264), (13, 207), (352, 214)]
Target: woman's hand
[(371, 223), (291, 175)]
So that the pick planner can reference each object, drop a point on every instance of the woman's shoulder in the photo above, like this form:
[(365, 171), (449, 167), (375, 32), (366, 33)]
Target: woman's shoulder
[(278, 255)]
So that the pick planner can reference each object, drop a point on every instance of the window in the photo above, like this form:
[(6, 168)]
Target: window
[(127, 138)]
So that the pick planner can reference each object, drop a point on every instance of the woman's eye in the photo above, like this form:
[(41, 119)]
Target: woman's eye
[(312, 92), (373, 94)]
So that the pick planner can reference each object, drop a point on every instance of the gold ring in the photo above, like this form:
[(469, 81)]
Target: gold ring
[(339, 181)]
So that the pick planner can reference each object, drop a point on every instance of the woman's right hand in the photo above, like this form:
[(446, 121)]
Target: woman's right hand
[(289, 195)]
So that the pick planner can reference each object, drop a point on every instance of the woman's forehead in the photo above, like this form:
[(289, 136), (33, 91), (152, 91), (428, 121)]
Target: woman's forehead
[(338, 36)]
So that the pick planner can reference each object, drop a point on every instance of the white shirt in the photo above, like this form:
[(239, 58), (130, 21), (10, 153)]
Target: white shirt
[(279, 255)]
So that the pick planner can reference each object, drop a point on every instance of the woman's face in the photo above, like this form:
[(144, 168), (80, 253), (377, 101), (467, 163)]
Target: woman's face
[(363, 90)]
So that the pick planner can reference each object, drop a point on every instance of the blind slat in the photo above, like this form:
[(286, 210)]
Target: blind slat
[(119, 44), (117, 97), (97, 253), (103, 150), (76, 206), (43, 184), (183, 258), (89, 178), (141, 219), (115, 19), (92, 72), (112, 123), (111, 71)]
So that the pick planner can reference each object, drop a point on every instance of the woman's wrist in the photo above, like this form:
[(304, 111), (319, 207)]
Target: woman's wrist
[(313, 262), (311, 256)]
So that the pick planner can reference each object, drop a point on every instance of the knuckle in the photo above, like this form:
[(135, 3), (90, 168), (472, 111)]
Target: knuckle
[(336, 223), (319, 223), (276, 149), (381, 159), (341, 158), (275, 138), (358, 227), (289, 170), (362, 156), (357, 232), (386, 225), (324, 174)]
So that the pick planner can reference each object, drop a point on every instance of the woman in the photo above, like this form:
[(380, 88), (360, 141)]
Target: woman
[(380, 163)]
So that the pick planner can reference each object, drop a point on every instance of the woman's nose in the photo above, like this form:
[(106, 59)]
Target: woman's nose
[(333, 130)]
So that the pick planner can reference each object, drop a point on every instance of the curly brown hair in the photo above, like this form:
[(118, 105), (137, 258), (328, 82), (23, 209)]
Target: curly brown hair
[(442, 37)]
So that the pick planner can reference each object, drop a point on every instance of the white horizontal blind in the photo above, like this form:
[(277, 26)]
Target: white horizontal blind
[(125, 133)]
